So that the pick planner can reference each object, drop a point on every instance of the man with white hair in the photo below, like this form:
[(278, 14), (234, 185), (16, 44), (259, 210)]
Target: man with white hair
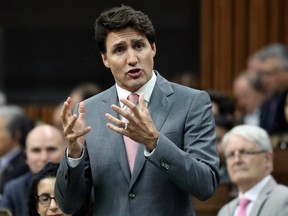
[(249, 159)]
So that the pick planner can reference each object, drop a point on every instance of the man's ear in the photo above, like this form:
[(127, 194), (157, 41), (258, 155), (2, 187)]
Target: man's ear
[(104, 59), (153, 46)]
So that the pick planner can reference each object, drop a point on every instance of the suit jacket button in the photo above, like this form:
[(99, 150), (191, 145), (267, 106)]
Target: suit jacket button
[(165, 165), (132, 195)]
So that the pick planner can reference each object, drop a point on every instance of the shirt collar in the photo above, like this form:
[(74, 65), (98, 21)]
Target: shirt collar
[(146, 89), (253, 193)]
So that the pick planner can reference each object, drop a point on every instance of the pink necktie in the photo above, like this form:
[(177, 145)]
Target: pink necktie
[(242, 207), (131, 145)]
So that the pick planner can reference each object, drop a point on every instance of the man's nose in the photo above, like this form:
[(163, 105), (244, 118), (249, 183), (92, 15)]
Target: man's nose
[(132, 58), (44, 156), (236, 156)]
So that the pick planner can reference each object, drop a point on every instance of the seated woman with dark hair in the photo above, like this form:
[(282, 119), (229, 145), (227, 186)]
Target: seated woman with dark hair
[(42, 200)]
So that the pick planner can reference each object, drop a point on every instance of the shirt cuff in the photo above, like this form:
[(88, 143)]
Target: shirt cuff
[(148, 153), (73, 162)]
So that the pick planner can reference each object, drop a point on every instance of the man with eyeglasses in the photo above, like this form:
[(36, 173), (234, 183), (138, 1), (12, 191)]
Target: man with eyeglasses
[(249, 159)]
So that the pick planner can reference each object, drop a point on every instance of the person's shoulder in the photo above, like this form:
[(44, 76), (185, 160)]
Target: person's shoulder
[(188, 91), (281, 189), (18, 161), (19, 181), (227, 209)]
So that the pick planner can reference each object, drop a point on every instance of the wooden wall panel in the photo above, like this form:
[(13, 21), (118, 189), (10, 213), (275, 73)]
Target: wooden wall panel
[(258, 24), (240, 41), (231, 30), (274, 20), (206, 60), (222, 55), (284, 26)]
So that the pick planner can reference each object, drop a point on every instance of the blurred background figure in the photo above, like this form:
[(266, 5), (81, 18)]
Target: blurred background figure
[(45, 143), (223, 125), (254, 63), (14, 127), (249, 157), (83, 91), (273, 68), (3, 99), (280, 140), (77, 94), (250, 96), (42, 200), (223, 104), (273, 71)]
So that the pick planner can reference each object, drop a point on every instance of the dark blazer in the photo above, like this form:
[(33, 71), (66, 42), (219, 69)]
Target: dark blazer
[(272, 117), (16, 167), (272, 200), (184, 163), (15, 196)]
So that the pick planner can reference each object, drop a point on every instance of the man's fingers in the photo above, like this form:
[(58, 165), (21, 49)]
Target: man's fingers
[(65, 112), (67, 129), (115, 121)]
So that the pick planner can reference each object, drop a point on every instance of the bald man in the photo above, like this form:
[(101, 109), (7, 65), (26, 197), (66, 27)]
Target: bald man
[(44, 143)]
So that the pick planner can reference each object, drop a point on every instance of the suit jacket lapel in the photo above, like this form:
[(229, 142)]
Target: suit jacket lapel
[(159, 107), (160, 103), (263, 196), (116, 139)]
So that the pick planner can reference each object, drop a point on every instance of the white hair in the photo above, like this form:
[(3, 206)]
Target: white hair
[(252, 133)]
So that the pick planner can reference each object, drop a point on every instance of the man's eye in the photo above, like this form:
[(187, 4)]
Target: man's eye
[(139, 46), (51, 149), (119, 50), (35, 150)]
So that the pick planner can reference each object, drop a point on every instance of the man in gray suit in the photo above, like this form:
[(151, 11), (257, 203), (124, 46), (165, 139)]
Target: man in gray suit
[(172, 127), (249, 159)]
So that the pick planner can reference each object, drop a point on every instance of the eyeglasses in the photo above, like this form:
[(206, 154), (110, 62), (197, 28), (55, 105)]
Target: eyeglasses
[(45, 199), (243, 154)]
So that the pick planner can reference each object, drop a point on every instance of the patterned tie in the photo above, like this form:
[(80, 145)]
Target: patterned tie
[(242, 207), (131, 145)]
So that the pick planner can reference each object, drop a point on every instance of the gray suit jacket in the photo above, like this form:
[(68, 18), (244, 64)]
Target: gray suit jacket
[(272, 200), (183, 165)]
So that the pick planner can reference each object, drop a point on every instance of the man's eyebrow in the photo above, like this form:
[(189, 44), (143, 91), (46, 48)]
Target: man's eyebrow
[(137, 40), (35, 149), (121, 43), (51, 148)]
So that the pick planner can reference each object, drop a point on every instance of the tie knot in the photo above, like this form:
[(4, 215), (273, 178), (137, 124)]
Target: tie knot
[(244, 202), (133, 97)]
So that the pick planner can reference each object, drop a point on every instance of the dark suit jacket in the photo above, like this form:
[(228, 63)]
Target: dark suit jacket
[(184, 163), (272, 117), (16, 167), (15, 196), (272, 200)]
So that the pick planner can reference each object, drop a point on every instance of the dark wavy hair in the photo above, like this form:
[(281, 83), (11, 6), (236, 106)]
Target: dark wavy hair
[(50, 170), (119, 18)]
